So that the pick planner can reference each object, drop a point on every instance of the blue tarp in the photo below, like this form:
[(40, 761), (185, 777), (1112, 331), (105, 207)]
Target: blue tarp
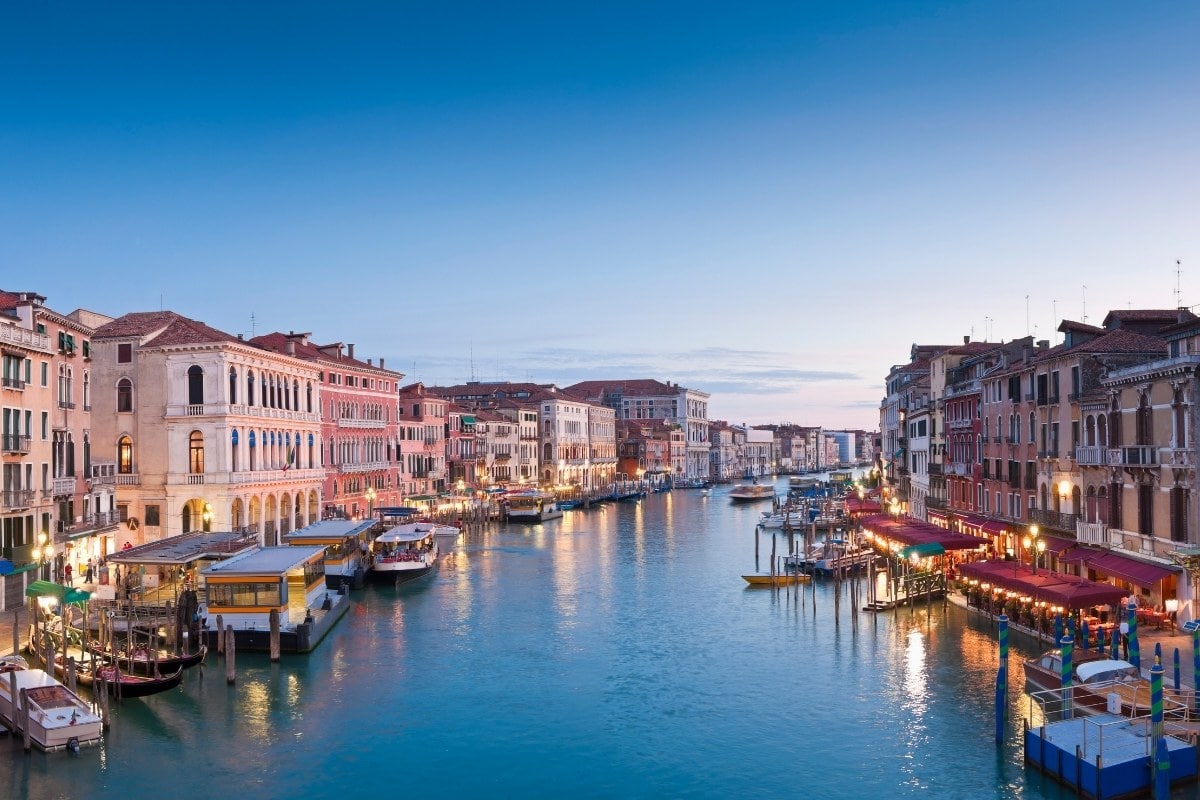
[(6, 566)]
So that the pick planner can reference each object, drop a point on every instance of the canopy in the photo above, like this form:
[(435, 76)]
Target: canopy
[(909, 531), (922, 550), (64, 594), (1067, 591)]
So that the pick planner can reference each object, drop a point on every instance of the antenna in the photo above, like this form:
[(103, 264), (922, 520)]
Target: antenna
[(253, 328), (1084, 320), (472, 351), (1178, 290), (1026, 315)]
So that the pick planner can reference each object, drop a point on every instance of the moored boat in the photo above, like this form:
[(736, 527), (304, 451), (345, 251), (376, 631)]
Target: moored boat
[(778, 579), (146, 660), (58, 717), (1099, 684), (405, 552)]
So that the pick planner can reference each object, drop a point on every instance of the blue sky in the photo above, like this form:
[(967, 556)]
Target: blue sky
[(767, 201)]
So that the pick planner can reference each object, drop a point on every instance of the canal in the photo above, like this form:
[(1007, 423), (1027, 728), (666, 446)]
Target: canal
[(615, 652)]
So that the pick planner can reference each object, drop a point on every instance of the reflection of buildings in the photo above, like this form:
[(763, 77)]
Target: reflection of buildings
[(210, 432)]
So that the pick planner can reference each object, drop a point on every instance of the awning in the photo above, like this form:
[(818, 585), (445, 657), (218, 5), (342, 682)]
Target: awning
[(922, 550), (64, 594), (421, 498), (1056, 545), (1139, 572), (984, 524), (1067, 591), (468, 419)]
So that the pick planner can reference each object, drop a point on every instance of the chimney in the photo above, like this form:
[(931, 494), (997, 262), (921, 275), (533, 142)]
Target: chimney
[(350, 350), (1043, 344), (291, 347), (381, 363), (368, 362), (966, 340)]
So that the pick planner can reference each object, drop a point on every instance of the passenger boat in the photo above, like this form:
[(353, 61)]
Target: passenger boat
[(749, 492), (1099, 684), (345, 543), (406, 552), (532, 507), (58, 718)]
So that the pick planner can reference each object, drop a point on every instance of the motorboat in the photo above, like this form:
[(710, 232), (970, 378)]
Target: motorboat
[(406, 552), (750, 492), (832, 556), (58, 718), (794, 517), (778, 579), (1099, 684)]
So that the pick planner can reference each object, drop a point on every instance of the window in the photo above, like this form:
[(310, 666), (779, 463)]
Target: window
[(45, 374), (124, 395), (152, 516), (195, 386), (125, 456), (196, 453), (124, 353), (232, 385)]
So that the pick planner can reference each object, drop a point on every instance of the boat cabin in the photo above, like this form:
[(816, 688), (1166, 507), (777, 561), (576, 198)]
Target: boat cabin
[(245, 589), (1107, 670), (345, 542)]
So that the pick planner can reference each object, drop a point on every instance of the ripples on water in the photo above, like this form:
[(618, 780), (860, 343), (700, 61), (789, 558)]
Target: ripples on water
[(614, 653)]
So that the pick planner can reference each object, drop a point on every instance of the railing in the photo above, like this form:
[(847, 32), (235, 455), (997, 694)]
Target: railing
[(89, 522), (1175, 457), (1053, 519), (60, 486), (129, 479), (66, 404), (277, 476), (15, 335), (1139, 456), (365, 466), (195, 480), (14, 443), (348, 422), (935, 469), (1092, 533), (959, 424), (956, 469), (13, 383), (238, 409), (1093, 456), (17, 498)]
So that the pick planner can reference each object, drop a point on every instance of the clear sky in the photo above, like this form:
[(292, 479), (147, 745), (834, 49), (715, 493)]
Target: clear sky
[(766, 201)]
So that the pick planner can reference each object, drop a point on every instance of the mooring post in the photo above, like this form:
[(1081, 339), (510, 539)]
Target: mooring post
[(230, 670), (274, 635)]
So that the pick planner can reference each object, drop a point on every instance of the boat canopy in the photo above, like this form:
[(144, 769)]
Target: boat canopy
[(1105, 669)]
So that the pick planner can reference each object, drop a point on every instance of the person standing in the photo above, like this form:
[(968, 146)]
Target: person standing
[(67, 573)]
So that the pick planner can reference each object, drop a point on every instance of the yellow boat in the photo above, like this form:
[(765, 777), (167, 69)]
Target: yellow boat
[(779, 579)]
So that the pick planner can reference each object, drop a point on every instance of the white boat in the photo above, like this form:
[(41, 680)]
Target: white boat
[(532, 507), (747, 492), (777, 519), (831, 556), (58, 718), (345, 543), (407, 552)]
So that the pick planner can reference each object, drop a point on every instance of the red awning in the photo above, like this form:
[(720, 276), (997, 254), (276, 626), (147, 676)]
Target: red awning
[(1064, 590), (1139, 572), (1056, 545), (987, 525), (910, 531)]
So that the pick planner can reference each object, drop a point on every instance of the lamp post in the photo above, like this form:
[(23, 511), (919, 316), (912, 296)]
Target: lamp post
[(41, 555), (1038, 544), (370, 495)]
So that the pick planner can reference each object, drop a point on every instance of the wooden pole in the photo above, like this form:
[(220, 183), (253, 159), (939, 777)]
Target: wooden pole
[(14, 710), (25, 720), (230, 670), (71, 673), (16, 632), (274, 635), (220, 635)]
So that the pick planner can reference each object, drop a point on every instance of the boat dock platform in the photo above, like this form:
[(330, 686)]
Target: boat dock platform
[(1105, 755), (909, 589)]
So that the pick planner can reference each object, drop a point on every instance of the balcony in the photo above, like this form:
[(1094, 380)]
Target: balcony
[(1139, 544), (88, 523), (1092, 456), (1095, 533), (1053, 519), (347, 422), (11, 334), (63, 486), (129, 479), (14, 383), (1139, 456), (238, 409), (935, 469), (364, 466), (935, 502), (17, 498), (276, 476), (67, 404), (14, 443)]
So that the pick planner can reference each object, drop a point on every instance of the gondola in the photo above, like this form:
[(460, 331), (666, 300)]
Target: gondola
[(117, 682), (142, 661)]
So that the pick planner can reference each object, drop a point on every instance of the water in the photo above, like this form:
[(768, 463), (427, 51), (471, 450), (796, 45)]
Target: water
[(612, 653)]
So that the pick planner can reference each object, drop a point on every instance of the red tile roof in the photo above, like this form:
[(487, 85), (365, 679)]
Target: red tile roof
[(164, 327)]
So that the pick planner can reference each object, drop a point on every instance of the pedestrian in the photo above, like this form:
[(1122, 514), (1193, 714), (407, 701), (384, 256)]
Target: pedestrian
[(67, 574), (90, 571)]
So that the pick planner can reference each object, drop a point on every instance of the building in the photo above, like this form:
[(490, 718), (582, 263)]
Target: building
[(423, 416), (359, 424), (208, 432)]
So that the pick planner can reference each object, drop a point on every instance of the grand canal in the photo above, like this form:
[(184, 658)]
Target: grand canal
[(612, 653)]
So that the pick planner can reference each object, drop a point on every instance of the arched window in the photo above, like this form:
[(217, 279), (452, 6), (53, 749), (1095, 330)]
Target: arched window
[(309, 392), (87, 391), (125, 395), (1032, 427), (234, 451), (270, 398), (196, 453), (252, 453), (232, 385), (125, 455), (295, 395), (195, 386), (250, 389)]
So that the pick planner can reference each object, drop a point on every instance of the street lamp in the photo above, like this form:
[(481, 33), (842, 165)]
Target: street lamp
[(206, 516), (1039, 544), (41, 555), (370, 495)]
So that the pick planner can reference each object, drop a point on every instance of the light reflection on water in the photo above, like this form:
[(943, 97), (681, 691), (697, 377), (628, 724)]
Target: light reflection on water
[(612, 653)]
